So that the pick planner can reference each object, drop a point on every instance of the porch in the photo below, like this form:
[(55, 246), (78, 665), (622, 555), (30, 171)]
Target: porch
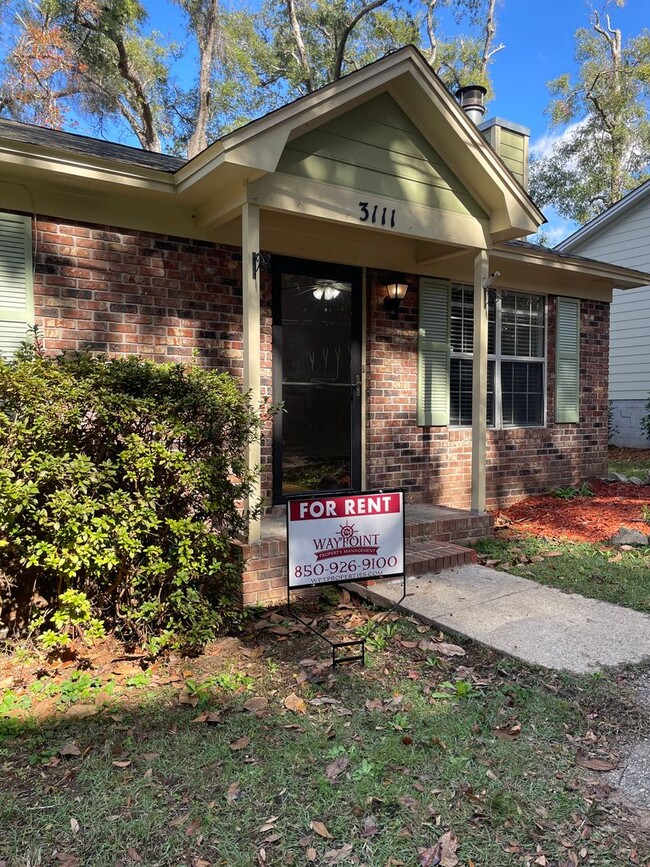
[(436, 538)]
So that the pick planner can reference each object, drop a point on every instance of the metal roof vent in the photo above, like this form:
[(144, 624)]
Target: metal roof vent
[(472, 100)]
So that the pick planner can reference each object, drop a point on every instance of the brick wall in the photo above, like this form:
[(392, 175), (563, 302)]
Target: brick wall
[(161, 297), (174, 299), (434, 464)]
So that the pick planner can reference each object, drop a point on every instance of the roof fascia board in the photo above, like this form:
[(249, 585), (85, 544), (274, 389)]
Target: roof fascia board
[(49, 160), (586, 232), (621, 278)]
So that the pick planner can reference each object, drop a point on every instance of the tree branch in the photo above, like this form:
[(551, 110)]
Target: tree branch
[(340, 51), (308, 80)]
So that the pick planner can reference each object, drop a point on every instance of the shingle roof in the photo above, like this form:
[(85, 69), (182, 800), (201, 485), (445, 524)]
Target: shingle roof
[(82, 144)]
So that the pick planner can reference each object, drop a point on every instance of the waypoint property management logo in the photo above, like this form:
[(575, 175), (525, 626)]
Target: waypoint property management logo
[(346, 543)]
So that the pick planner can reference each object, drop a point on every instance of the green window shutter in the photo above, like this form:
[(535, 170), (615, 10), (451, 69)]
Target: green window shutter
[(16, 282), (433, 352), (567, 361)]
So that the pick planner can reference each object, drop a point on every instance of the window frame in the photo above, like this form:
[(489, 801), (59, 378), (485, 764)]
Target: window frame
[(497, 358)]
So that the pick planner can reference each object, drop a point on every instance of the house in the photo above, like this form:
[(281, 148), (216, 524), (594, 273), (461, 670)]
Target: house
[(620, 235), (356, 254)]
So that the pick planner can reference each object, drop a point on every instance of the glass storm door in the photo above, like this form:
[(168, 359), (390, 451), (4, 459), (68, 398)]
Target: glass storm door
[(317, 377)]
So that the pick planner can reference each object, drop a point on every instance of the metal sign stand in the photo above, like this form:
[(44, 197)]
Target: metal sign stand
[(357, 642)]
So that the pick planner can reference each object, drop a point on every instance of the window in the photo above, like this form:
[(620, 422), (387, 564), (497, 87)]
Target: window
[(516, 358), (16, 290)]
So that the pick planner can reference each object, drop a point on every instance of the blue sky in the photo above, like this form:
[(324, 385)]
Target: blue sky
[(538, 36)]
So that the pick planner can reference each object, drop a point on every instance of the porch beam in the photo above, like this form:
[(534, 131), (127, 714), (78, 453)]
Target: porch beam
[(479, 382), (218, 211), (444, 257), (252, 346)]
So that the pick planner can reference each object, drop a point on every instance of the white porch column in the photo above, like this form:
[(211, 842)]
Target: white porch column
[(479, 382), (252, 344)]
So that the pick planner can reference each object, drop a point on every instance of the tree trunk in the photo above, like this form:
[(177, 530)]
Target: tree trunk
[(207, 41)]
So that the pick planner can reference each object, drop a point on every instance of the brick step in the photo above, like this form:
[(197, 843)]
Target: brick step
[(425, 557), (459, 531)]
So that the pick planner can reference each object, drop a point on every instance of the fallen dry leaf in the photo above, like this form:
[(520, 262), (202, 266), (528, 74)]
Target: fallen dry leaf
[(124, 764), (74, 825), (509, 731), (369, 826), (134, 855), (185, 697), (449, 649), (211, 717), (311, 854), (69, 750), (256, 704), (596, 764), (193, 828), (443, 854), (295, 703), (320, 829), (335, 856), (68, 860), (233, 793), (239, 744), (269, 825), (180, 820), (336, 768)]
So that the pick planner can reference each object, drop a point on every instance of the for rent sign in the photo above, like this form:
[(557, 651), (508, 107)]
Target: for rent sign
[(347, 538)]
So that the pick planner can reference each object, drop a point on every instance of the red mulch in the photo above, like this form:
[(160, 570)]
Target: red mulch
[(581, 519)]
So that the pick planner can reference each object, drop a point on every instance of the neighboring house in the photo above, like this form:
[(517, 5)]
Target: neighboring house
[(621, 235), (272, 255)]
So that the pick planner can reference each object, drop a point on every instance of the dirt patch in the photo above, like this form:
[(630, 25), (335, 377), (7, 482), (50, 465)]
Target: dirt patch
[(582, 519)]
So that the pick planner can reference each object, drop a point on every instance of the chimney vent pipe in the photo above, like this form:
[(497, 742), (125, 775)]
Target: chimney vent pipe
[(472, 101)]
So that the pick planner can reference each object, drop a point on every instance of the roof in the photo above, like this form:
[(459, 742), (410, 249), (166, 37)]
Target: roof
[(626, 278), (589, 229), (83, 144)]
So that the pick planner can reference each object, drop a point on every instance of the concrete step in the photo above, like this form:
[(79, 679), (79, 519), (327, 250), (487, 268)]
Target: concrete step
[(422, 558)]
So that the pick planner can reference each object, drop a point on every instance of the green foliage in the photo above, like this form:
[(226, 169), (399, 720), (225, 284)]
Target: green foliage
[(645, 514), (612, 429), (606, 151), (80, 686), (11, 701), (458, 690), (569, 493), (376, 637), (73, 618), (121, 480), (101, 63), (645, 421)]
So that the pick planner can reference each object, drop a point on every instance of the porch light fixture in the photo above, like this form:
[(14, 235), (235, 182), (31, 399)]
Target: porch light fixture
[(489, 292), (395, 290)]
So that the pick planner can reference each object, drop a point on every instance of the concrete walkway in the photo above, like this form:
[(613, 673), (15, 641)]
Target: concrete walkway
[(538, 624)]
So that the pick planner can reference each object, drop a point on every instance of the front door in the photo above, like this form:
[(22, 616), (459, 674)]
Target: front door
[(317, 377)]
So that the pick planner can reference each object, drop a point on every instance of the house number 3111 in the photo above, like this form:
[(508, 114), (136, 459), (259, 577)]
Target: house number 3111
[(376, 214)]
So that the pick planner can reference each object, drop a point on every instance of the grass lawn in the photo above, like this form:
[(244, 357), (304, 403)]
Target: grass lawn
[(630, 462), (258, 753), (594, 570)]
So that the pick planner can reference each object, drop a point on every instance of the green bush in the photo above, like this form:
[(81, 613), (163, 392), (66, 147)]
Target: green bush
[(121, 479)]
